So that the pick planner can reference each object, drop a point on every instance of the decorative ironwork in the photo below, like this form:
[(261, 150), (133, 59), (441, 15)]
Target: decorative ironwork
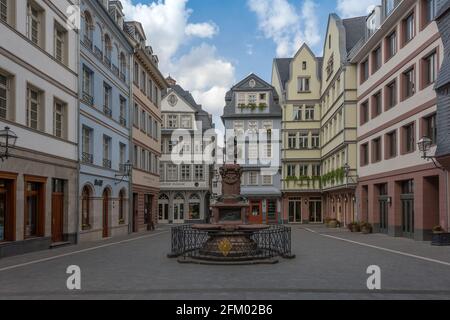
[(98, 53), (107, 163), (87, 42), (8, 140), (88, 99), (87, 158), (123, 121), (187, 243)]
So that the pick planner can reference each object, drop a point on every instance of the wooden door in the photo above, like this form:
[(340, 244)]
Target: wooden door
[(255, 216), (57, 217), (105, 214)]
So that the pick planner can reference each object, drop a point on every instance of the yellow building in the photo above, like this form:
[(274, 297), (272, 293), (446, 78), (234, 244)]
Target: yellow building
[(319, 99), (297, 81)]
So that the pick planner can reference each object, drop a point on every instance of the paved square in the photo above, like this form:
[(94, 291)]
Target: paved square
[(330, 264)]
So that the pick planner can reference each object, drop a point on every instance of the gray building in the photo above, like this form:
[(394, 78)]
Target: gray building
[(252, 115)]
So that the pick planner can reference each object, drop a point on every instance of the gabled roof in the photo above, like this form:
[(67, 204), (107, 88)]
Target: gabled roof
[(444, 7), (244, 84), (283, 67)]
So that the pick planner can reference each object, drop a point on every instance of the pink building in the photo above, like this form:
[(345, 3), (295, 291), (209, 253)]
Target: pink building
[(399, 192)]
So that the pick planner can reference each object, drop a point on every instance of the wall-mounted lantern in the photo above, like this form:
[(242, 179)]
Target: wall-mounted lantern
[(8, 140)]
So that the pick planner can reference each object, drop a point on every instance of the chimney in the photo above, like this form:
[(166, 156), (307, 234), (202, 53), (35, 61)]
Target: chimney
[(171, 81)]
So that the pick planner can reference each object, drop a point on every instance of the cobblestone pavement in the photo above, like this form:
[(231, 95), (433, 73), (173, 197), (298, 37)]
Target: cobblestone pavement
[(330, 264)]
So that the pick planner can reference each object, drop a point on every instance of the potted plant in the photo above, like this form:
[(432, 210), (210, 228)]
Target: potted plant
[(440, 237), (354, 227), (366, 228), (332, 224)]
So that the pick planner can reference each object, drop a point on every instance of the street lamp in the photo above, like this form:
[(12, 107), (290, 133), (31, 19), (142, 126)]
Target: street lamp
[(425, 145), (8, 140), (125, 171)]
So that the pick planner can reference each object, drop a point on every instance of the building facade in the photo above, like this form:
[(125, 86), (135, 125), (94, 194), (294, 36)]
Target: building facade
[(38, 101), (338, 118), (252, 107), (148, 83), (399, 193), (297, 81), (185, 184), (104, 132)]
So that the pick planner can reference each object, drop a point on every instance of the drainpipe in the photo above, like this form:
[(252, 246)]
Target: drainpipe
[(77, 193)]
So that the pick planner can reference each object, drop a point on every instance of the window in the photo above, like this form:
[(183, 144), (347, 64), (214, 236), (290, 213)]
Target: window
[(376, 60), (34, 98), (87, 145), (172, 121), (408, 29), (135, 156), (303, 141), (315, 141), (172, 172), (252, 178), (391, 145), (297, 113), (35, 215), (430, 128), (316, 171), (238, 127), (267, 180), (409, 83), (60, 43), (87, 81), (185, 172), (108, 49), (376, 105), (253, 127), (430, 8), (409, 140), (330, 66), (136, 115), (122, 156), (85, 207), (155, 130), (376, 150), (150, 126), (389, 7), (106, 152), (304, 65), (292, 141), (391, 95), (429, 69), (303, 84), (364, 154), (4, 10), (107, 99), (143, 82), (364, 108), (136, 73), (34, 23), (291, 170), (186, 122), (59, 119), (199, 173), (391, 45), (4, 96), (303, 170), (123, 111), (143, 163), (143, 119), (309, 113), (364, 71), (253, 151)]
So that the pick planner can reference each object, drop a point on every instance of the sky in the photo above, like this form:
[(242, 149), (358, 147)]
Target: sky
[(207, 46)]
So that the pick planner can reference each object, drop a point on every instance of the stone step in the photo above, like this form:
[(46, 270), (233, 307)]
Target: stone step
[(59, 245)]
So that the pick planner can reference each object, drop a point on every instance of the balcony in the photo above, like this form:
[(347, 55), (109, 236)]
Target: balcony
[(115, 70), (88, 99), (107, 111), (107, 163), (87, 42), (87, 158), (123, 121), (98, 53), (122, 77), (107, 62)]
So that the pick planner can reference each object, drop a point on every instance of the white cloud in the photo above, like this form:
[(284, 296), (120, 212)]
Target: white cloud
[(354, 8), (202, 30), (201, 70), (287, 25)]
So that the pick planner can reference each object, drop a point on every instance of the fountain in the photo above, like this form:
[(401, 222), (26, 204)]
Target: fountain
[(229, 239)]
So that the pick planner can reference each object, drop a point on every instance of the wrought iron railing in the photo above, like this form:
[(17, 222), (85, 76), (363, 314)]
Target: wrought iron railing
[(123, 121), (272, 242), (107, 163), (88, 98), (107, 111), (87, 158)]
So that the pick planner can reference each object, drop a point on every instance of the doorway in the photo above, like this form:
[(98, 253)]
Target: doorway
[(106, 200), (135, 211), (295, 210), (384, 208), (315, 211), (407, 199), (3, 209), (178, 210), (255, 213), (58, 211), (163, 209)]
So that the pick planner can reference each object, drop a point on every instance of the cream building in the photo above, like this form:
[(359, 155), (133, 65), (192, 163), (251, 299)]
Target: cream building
[(297, 81), (38, 101)]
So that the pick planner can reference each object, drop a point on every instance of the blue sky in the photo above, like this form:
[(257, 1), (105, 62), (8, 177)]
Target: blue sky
[(209, 45)]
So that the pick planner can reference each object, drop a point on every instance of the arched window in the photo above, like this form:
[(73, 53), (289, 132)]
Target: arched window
[(86, 196), (123, 64), (88, 28), (164, 197), (194, 207), (122, 207), (108, 49)]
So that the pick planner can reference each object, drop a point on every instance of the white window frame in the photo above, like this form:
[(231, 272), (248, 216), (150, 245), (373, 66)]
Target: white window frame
[(5, 99), (61, 113), (37, 103)]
